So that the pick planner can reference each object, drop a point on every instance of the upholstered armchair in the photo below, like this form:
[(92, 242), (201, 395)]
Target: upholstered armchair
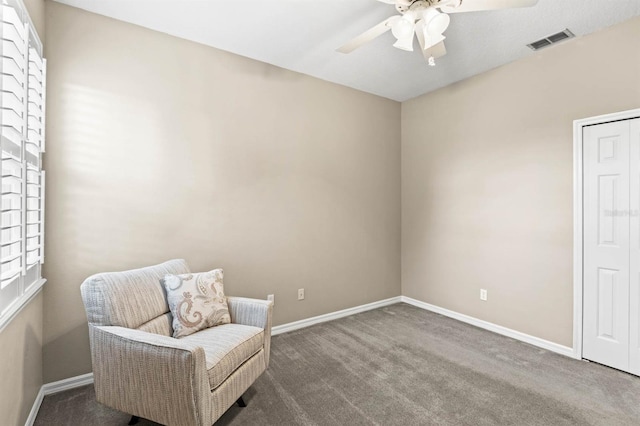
[(138, 368)]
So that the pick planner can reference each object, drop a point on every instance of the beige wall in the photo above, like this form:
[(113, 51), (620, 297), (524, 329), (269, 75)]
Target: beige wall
[(21, 340), (487, 181), (21, 363), (160, 148)]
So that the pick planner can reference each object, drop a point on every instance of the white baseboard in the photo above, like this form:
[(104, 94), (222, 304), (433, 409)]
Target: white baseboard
[(55, 387), (498, 329), (35, 408), (66, 384), (284, 328)]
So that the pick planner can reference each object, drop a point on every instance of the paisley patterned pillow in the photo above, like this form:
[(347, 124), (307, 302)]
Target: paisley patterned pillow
[(196, 301)]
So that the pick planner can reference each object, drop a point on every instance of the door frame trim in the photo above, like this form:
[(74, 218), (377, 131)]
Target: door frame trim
[(578, 125)]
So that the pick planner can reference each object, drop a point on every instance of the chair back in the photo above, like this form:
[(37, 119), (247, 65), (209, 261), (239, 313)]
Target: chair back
[(132, 299)]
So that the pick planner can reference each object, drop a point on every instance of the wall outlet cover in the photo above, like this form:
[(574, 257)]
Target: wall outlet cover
[(483, 294)]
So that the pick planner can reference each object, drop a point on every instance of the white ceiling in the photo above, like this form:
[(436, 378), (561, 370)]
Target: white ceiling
[(302, 35)]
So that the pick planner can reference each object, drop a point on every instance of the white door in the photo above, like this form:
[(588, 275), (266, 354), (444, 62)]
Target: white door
[(634, 258), (606, 307)]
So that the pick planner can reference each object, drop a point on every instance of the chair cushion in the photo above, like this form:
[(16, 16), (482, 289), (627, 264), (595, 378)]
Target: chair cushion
[(227, 347), (196, 301)]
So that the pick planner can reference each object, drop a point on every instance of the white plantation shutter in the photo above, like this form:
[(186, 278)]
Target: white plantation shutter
[(34, 146), (23, 73)]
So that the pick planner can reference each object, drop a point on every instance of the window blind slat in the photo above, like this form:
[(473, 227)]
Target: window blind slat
[(34, 112), (33, 257), (10, 32), (13, 202), (33, 176), (36, 76), (34, 124), (13, 66), (35, 97), (36, 60), (33, 191), (11, 102), (11, 273), (11, 147), (11, 167), (11, 49), (10, 140), (35, 137), (11, 234), (33, 230), (33, 217), (11, 185), (32, 159), (10, 120), (10, 67), (9, 257), (35, 65), (13, 86), (10, 16), (34, 84), (11, 218), (8, 242)]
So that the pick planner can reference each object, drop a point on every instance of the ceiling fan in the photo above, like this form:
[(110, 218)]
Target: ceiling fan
[(428, 19)]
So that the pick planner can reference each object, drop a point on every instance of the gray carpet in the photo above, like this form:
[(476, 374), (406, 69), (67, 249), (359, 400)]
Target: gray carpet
[(401, 365)]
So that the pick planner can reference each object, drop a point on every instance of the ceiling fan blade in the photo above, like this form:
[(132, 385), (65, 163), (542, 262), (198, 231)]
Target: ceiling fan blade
[(477, 5), (368, 35)]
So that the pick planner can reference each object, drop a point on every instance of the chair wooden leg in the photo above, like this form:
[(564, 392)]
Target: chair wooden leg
[(241, 402), (134, 420)]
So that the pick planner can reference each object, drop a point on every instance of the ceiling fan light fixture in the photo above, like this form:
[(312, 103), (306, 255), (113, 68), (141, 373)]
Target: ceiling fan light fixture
[(428, 20), (404, 26), (435, 22), (405, 44), (403, 30), (432, 40)]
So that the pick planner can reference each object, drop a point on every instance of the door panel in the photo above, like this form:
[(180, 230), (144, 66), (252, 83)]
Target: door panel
[(607, 286), (608, 188), (634, 262), (606, 244)]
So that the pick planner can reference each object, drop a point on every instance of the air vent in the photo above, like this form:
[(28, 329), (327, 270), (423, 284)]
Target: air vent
[(552, 39)]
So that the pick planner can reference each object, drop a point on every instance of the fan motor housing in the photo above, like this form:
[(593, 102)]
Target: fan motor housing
[(403, 6)]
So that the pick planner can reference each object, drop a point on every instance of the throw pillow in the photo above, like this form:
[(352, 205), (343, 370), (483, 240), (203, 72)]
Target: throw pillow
[(196, 301)]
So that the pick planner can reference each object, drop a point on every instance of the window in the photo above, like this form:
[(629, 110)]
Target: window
[(22, 142)]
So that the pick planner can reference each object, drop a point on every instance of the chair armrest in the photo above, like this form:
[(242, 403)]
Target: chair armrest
[(254, 312), (149, 375)]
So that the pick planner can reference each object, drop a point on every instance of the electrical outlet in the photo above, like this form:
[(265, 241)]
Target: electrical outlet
[(301, 294), (272, 298), (483, 294)]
